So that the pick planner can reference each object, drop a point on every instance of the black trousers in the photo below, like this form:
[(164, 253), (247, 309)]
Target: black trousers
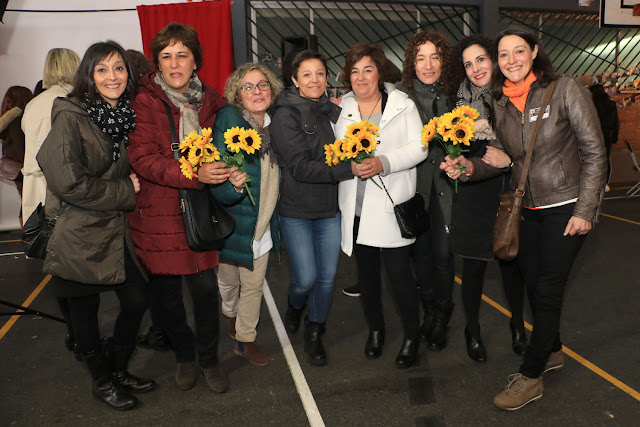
[(433, 260), (472, 282), (84, 312), (166, 293), (545, 258), (398, 265)]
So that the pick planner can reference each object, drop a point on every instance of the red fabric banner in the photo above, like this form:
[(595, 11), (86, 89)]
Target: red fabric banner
[(212, 20)]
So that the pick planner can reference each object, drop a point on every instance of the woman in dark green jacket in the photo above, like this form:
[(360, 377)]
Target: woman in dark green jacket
[(251, 90)]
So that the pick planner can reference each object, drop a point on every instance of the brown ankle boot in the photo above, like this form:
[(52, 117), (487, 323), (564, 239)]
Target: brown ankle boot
[(253, 353), (186, 375), (216, 379), (520, 391)]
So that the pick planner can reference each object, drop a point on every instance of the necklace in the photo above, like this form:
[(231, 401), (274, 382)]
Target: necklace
[(374, 107)]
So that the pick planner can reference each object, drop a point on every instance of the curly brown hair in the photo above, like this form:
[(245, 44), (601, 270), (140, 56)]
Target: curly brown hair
[(443, 47), (233, 85)]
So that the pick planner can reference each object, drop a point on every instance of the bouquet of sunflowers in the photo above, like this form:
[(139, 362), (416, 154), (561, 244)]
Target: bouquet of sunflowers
[(200, 150), (452, 130), (241, 141), (358, 143)]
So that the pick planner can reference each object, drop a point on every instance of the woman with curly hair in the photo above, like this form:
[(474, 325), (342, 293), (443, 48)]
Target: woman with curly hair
[(251, 90), (475, 203), (425, 78)]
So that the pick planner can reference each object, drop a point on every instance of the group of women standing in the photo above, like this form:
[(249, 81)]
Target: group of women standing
[(113, 186)]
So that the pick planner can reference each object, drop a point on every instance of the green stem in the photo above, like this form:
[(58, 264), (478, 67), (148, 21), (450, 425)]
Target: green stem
[(371, 179), (249, 193)]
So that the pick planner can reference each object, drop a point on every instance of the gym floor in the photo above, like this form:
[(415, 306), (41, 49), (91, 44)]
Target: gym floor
[(41, 382)]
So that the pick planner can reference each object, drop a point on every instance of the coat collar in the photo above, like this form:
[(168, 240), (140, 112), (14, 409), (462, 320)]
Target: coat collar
[(395, 105)]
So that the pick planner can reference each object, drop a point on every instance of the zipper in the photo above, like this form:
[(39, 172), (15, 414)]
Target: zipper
[(140, 213)]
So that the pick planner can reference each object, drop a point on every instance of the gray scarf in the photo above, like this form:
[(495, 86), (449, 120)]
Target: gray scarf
[(265, 135), (189, 103), (476, 97)]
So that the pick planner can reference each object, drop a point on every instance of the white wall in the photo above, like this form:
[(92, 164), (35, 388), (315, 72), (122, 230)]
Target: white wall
[(26, 37)]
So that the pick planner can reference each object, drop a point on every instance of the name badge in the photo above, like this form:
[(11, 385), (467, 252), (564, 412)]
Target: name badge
[(533, 114)]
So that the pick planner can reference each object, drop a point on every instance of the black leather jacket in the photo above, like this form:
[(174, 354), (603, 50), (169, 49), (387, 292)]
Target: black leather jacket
[(569, 159), (300, 128)]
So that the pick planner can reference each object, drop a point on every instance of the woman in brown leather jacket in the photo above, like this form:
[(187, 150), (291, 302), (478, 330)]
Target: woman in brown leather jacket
[(562, 197)]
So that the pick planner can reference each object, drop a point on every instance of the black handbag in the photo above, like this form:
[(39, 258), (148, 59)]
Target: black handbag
[(37, 231), (411, 215), (206, 222)]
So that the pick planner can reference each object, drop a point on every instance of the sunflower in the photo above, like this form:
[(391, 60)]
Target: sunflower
[(186, 168), (250, 141), (461, 133), (354, 128), (350, 148), (428, 131), (195, 155), (329, 154), (370, 127), (336, 151), (233, 138), (210, 153), (444, 125), (206, 135), (465, 110), (188, 141), (366, 142)]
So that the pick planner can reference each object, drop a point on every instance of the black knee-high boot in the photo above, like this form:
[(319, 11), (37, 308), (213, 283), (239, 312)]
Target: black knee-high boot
[(119, 356), (104, 388)]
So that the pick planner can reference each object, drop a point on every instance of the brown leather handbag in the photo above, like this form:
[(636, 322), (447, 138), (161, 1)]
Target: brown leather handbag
[(506, 231)]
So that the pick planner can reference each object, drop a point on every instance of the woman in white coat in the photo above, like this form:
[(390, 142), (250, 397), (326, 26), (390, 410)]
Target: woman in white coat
[(59, 70), (369, 226)]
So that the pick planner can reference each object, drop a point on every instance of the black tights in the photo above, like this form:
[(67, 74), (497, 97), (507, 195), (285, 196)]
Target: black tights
[(84, 318), (472, 280)]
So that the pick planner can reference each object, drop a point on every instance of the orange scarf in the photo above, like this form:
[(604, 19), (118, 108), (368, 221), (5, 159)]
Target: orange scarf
[(518, 94)]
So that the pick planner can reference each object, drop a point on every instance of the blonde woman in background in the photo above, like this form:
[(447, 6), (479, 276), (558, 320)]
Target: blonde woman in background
[(59, 70)]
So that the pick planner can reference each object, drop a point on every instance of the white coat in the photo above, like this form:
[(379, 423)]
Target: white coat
[(36, 124), (400, 141)]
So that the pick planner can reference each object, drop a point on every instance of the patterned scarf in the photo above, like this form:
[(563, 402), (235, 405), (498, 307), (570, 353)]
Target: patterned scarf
[(476, 97), (265, 135), (518, 94), (189, 103), (116, 122)]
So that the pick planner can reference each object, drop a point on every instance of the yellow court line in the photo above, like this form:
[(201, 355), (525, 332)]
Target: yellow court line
[(25, 304), (10, 241), (620, 219), (575, 356)]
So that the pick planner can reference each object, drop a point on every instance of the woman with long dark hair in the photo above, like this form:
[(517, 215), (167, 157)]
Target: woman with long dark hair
[(563, 192), (90, 188), (475, 203)]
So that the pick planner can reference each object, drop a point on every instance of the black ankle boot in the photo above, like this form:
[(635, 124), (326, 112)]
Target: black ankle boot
[(518, 339), (438, 338), (104, 388), (313, 342), (155, 339), (373, 348), (292, 319), (428, 319), (475, 348), (119, 356), (408, 354)]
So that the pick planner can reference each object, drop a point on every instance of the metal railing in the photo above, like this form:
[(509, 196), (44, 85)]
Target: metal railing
[(340, 24)]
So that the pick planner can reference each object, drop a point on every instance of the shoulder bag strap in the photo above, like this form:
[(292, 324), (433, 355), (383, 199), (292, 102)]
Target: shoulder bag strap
[(527, 160), (175, 144)]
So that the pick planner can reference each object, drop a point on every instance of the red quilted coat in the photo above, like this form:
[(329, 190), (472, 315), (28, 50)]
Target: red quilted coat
[(156, 223)]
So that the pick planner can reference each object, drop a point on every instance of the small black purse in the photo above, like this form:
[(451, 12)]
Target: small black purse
[(37, 231), (411, 215), (206, 222)]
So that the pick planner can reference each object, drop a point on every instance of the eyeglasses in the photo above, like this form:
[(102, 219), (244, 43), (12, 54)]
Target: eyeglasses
[(249, 88)]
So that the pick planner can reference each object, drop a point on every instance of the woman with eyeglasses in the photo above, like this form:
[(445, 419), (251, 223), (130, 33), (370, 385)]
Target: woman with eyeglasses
[(250, 90), (309, 214)]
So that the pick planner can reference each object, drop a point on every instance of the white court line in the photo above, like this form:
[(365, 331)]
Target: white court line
[(308, 402), (12, 253)]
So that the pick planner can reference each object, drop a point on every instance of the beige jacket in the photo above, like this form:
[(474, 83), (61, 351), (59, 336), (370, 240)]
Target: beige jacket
[(36, 123)]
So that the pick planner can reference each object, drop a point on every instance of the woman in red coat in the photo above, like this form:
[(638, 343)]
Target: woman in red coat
[(156, 224)]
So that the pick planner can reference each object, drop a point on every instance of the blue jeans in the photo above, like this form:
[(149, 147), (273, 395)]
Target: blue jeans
[(313, 246)]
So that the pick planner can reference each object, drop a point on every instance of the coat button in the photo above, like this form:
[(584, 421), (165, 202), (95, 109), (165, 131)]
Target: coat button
[(382, 121), (441, 193), (433, 161), (399, 109), (349, 115), (437, 97)]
